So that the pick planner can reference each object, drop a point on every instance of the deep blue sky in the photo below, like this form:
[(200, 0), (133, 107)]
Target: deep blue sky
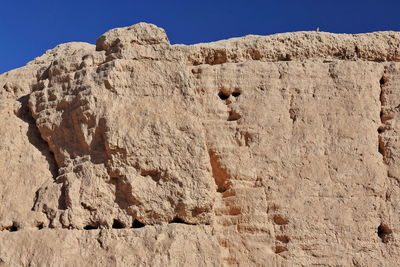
[(30, 27)]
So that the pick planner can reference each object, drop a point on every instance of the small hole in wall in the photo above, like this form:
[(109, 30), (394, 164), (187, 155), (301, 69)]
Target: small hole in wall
[(118, 225), (40, 226), (13, 227), (382, 81), (384, 233), (223, 96), (234, 116), (236, 94), (137, 224), (90, 227)]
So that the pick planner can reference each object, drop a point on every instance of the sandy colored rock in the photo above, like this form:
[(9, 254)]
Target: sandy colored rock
[(276, 150)]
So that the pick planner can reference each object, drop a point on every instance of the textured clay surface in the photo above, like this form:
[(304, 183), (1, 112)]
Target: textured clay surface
[(278, 150)]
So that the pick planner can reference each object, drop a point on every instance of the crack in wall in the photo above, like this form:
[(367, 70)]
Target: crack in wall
[(385, 116), (34, 136), (220, 173), (293, 111)]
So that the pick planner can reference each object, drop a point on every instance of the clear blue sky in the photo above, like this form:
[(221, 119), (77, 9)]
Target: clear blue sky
[(30, 27)]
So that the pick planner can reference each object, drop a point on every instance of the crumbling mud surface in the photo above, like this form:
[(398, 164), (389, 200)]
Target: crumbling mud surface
[(278, 150)]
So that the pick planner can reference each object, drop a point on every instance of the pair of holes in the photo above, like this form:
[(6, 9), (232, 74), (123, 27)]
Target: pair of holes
[(225, 96)]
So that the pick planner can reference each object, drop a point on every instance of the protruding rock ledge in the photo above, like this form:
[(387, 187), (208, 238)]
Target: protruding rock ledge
[(141, 33)]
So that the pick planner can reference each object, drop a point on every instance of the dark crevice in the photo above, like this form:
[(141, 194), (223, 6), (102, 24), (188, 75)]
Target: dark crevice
[(34, 136), (384, 233), (385, 117), (223, 96), (13, 227), (236, 94), (62, 200), (118, 224), (35, 200), (178, 220), (40, 226), (90, 227), (137, 224), (357, 51)]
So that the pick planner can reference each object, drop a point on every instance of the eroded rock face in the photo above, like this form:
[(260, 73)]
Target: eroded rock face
[(257, 151)]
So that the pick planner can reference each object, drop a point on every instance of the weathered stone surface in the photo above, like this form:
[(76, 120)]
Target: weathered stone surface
[(274, 150)]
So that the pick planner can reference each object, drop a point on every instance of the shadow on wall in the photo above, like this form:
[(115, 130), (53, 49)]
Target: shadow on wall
[(34, 136)]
